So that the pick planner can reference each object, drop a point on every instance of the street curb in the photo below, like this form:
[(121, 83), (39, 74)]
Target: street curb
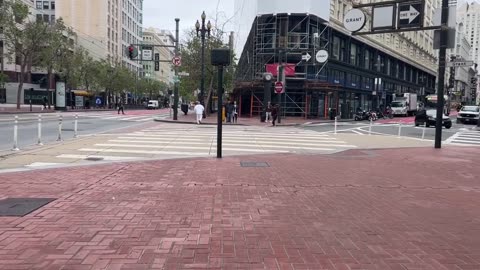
[(214, 124)]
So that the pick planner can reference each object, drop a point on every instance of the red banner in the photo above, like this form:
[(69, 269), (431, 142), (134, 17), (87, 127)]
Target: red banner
[(289, 69)]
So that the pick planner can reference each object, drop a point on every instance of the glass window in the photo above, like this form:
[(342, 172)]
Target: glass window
[(353, 54), (46, 18), (336, 48), (39, 17), (52, 5), (52, 18), (367, 59), (39, 4), (46, 5)]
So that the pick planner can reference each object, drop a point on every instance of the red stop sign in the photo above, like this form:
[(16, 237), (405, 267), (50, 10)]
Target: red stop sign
[(279, 87)]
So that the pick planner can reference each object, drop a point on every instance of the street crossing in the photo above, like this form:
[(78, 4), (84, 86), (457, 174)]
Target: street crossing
[(200, 141), (126, 117), (465, 138)]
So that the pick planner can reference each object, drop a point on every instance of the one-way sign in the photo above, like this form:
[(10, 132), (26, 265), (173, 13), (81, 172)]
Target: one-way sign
[(306, 57), (410, 14)]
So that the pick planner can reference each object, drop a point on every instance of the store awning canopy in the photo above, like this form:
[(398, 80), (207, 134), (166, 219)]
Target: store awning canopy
[(82, 93)]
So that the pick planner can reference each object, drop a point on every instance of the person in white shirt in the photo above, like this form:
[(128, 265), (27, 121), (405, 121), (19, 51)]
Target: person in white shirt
[(199, 112)]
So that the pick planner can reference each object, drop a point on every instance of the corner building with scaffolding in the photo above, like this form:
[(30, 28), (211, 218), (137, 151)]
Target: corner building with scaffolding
[(360, 72)]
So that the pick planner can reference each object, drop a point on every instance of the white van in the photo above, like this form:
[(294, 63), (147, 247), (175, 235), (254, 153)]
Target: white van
[(153, 104)]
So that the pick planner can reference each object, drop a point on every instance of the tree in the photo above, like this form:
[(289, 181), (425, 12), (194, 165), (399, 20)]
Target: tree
[(23, 38), (152, 88), (191, 63), (57, 45)]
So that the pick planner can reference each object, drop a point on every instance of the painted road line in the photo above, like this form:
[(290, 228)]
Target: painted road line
[(106, 158), (42, 164), (142, 152), (225, 135), (225, 140), (465, 141)]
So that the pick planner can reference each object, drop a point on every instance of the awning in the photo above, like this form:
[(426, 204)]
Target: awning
[(82, 93)]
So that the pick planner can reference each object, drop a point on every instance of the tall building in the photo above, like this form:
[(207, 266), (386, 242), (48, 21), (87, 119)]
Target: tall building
[(361, 71), (105, 27), (45, 11), (152, 36), (469, 15)]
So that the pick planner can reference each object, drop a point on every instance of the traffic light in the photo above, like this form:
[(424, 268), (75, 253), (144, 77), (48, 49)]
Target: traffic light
[(131, 49)]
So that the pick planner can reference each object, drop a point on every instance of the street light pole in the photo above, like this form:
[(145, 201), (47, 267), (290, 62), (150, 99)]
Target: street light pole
[(203, 31), (441, 74), (175, 89)]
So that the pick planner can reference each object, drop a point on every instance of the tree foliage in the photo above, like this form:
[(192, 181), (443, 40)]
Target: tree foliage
[(191, 63)]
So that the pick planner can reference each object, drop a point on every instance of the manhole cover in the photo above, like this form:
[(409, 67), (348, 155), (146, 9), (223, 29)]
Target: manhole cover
[(254, 164), (19, 207), (94, 159)]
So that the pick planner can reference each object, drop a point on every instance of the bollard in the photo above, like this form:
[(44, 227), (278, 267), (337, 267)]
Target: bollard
[(15, 135), (335, 125), (75, 127), (39, 141), (423, 132), (60, 120), (399, 130), (370, 127)]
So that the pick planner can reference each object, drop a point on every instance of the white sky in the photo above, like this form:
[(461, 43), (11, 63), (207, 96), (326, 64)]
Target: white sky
[(162, 13)]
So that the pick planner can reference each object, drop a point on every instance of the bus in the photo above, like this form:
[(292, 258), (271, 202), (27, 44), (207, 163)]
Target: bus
[(431, 103)]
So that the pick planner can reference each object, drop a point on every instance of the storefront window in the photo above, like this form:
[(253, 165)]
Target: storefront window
[(367, 59), (336, 48), (353, 54)]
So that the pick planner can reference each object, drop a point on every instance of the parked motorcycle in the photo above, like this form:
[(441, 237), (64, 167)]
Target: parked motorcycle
[(361, 115)]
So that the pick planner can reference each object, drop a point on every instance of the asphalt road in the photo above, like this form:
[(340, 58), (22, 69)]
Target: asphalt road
[(28, 126), (407, 129)]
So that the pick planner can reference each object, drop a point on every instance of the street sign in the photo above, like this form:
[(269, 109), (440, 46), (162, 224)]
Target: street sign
[(354, 20), (460, 64), (157, 62), (279, 87), (177, 61), (147, 54), (383, 17), (184, 74), (322, 56), (410, 14), (306, 57)]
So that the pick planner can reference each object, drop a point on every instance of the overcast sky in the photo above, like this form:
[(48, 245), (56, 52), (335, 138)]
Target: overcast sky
[(162, 13)]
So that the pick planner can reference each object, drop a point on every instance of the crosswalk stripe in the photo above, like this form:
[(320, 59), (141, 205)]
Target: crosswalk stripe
[(239, 142), (106, 158), (231, 136), (197, 138), (141, 152), (465, 141)]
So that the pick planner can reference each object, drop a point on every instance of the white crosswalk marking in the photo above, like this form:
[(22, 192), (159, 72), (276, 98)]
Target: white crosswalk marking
[(465, 138), (162, 142), (121, 117)]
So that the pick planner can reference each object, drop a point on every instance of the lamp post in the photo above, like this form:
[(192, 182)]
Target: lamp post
[(203, 31)]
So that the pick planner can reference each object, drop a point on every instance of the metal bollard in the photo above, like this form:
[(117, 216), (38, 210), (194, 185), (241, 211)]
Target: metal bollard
[(39, 141), (15, 135), (423, 132), (335, 125), (60, 120), (75, 128), (399, 130), (370, 127)]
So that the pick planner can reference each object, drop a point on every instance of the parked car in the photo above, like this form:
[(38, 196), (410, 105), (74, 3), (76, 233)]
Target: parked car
[(429, 118), (468, 114), (153, 104)]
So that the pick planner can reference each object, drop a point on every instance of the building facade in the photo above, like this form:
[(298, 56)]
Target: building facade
[(152, 36), (469, 15), (105, 27), (361, 72)]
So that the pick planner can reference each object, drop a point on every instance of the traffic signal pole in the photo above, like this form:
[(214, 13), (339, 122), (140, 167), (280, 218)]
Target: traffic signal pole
[(175, 90), (441, 74)]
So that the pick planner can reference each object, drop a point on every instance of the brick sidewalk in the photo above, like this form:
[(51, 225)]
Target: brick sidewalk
[(387, 209)]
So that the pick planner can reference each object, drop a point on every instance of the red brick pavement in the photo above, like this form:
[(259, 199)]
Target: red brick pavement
[(386, 209)]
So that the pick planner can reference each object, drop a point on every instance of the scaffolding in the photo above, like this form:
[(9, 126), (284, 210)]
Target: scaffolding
[(279, 39)]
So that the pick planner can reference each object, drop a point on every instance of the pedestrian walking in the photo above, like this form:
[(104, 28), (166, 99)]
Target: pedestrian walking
[(275, 110), (229, 109), (45, 101), (120, 107), (199, 109), (235, 112), (268, 113)]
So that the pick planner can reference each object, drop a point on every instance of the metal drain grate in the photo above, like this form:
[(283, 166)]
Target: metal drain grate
[(247, 164), (94, 158), (19, 207)]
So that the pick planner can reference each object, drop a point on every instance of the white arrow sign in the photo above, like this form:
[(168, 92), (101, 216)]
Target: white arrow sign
[(306, 57), (410, 14)]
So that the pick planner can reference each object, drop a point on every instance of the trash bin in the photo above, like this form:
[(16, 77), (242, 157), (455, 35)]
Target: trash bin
[(184, 108)]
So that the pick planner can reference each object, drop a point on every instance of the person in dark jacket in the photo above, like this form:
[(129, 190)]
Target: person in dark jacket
[(229, 111), (120, 107), (275, 111)]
